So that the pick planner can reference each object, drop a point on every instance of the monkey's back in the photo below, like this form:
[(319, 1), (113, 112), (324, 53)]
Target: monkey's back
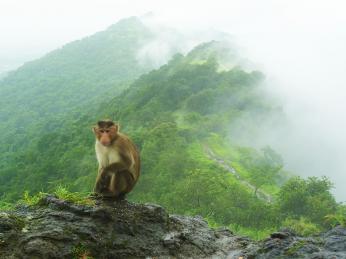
[(129, 150)]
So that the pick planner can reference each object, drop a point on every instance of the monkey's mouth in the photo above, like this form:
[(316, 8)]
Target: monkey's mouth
[(106, 144)]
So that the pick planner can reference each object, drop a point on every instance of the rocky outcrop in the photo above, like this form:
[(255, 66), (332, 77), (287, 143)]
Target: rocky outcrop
[(285, 244), (60, 229)]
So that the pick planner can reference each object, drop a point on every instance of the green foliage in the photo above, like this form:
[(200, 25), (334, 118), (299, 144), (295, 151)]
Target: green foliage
[(6, 206), (32, 200), (295, 247), (301, 226), (80, 251), (61, 193), (257, 234), (336, 219), (74, 197), (263, 168), (339, 218), (309, 198), (197, 102)]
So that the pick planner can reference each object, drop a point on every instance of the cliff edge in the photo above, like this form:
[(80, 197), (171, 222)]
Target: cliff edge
[(57, 228)]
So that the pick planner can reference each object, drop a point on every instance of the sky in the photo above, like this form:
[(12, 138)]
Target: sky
[(298, 44)]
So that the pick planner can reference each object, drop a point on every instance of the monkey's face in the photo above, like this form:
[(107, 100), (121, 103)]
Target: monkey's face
[(106, 134)]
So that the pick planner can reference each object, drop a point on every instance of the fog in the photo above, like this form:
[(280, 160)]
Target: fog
[(298, 44)]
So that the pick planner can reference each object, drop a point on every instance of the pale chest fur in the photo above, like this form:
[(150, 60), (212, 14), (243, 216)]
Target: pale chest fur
[(106, 155)]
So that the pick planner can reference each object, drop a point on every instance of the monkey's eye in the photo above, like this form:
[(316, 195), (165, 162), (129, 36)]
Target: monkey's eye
[(107, 131), (102, 131)]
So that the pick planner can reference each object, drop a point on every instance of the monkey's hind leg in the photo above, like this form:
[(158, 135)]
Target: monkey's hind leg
[(114, 181), (123, 184)]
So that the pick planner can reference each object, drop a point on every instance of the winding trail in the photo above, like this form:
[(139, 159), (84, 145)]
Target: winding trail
[(227, 165)]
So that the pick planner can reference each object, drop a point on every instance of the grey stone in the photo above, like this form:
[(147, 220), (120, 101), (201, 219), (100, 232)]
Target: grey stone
[(108, 229)]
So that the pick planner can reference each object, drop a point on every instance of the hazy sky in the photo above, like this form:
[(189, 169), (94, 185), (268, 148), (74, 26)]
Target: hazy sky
[(299, 44)]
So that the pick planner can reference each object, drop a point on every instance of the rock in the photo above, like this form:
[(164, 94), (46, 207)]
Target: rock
[(335, 239), (280, 235), (60, 229), (286, 244)]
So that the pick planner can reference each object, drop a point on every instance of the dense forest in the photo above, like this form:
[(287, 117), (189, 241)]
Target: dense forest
[(180, 117)]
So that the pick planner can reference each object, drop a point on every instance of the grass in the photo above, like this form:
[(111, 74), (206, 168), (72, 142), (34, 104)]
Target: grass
[(252, 233), (301, 226), (256, 234), (75, 197), (270, 189), (293, 249), (217, 145), (231, 155), (336, 219), (61, 193), (81, 252), (32, 200), (6, 205)]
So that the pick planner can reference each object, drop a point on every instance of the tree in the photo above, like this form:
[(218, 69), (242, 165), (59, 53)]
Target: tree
[(310, 198), (263, 167)]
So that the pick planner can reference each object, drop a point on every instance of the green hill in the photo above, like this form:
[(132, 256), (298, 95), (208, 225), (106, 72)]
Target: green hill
[(179, 116), (37, 97), (96, 63), (78, 75)]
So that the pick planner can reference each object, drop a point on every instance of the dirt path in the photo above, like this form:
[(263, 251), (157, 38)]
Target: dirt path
[(227, 165)]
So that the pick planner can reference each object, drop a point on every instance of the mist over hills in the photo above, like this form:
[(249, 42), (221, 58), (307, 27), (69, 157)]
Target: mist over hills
[(96, 63), (3, 74), (180, 116)]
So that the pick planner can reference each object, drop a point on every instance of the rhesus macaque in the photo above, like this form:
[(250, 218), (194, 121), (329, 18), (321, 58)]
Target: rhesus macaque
[(118, 158)]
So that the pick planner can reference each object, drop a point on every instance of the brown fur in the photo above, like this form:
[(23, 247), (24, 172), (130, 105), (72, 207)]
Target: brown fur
[(119, 162)]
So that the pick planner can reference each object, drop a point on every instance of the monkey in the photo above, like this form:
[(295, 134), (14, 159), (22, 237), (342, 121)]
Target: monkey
[(118, 159)]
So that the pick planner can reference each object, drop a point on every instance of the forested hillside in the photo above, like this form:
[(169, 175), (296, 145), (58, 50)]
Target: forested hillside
[(43, 94), (179, 116), (79, 74)]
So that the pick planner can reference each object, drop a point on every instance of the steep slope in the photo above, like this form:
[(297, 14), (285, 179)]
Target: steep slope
[(193, 84), (78, 73)]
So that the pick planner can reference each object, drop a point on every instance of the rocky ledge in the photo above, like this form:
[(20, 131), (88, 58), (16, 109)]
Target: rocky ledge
[(60, 229)]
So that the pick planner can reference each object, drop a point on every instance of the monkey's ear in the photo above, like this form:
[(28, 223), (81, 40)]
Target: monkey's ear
[(115, 128), (93, 129)]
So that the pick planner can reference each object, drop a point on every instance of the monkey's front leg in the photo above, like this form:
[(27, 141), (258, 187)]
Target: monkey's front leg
[(102, 181)]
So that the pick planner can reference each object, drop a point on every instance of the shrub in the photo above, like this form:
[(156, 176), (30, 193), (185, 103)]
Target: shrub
[(302, 226)]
